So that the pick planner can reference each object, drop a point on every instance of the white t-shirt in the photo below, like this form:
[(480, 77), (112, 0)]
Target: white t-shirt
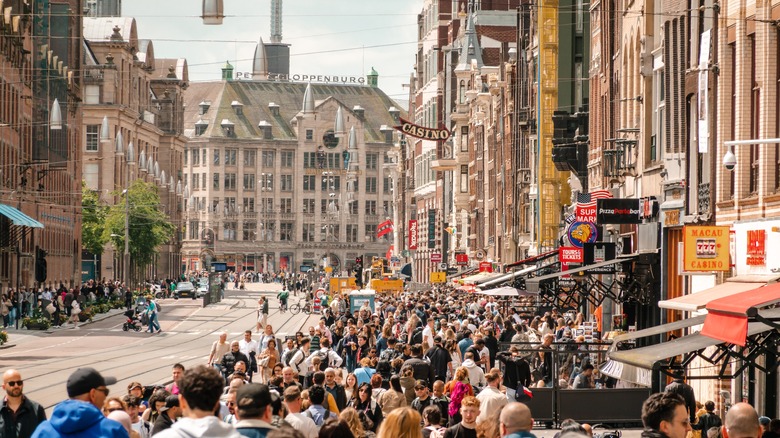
[(245, 347), (304, 424), (427, 334)]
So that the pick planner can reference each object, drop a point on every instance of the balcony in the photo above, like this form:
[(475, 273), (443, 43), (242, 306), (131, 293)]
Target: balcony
[(287, 216)]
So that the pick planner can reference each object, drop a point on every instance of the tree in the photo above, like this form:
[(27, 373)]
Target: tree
[(149, 225), (93, 221)]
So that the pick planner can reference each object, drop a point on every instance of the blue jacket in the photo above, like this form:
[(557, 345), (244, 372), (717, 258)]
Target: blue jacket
[(76, 419)]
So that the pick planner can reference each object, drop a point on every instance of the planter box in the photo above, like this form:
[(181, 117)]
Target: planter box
[(37, 326)]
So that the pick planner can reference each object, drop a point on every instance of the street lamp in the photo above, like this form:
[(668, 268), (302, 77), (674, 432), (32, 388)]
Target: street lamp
[(730, 160)]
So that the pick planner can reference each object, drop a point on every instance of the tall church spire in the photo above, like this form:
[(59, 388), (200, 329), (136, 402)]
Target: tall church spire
[(470, 50)]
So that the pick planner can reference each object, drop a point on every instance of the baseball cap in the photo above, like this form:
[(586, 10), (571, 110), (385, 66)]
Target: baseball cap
[(420, 384), (253, 395), (764, 420), (134, 385), (172, 401), (84, 380)]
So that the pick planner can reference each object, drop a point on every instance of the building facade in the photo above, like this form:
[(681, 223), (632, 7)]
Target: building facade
[(133, 129), (40, 87), (285, 176)]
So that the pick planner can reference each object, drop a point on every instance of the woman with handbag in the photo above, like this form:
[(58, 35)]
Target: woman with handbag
[(267, 361), (75, 309)]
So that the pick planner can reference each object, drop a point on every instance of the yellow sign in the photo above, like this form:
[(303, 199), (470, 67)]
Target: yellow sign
[(705, 248), (438, 277), (328, 269), (392, 286), (338, 284)]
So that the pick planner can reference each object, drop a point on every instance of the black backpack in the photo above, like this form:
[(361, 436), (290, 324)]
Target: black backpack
[(417, 336), (323, 355)]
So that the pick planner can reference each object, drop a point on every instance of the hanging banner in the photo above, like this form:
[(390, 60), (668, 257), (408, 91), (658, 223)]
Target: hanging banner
[(703, 94), (413, 234), (422, 132)]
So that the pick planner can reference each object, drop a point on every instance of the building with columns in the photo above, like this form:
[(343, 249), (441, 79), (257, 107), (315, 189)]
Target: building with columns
[(287, 176)]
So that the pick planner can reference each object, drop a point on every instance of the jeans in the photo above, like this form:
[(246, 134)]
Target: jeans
[(153, 324), (351, 363)]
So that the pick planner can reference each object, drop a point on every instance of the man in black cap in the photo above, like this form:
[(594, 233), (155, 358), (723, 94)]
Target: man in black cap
[(253, 410), (168, 414), (81, 415)]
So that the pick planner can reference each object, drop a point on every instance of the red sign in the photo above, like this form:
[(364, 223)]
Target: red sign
[(462, 259), (586, 213), (570, 254), (756, 248), (436, 257), (485, 267), (412, 234)]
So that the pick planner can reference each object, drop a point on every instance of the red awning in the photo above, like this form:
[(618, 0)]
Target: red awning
[(727, 318), (530, 260)]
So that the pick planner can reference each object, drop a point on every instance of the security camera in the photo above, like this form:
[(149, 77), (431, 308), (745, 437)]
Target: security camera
[(730, 160)]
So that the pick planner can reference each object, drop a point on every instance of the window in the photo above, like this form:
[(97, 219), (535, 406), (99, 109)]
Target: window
[(331, 183), (464, 138), (230, 181), (309, 160), (309, 134), (309, 183), (195, 181), (308, 232), (285, 205), (387, 208), (370, 184), (464, 178), (267, 182), (308, 206), (215, 184), (352, 233), (286, 231), (194, 230), (353, 207), (250, 156), (387, 185), (230, 205), (249, 181), (93, 138), (215, 205), (249, 232), (286, 183), (216, 157), (230, 157), (371, 208), (288, 158), (185, 180), (267, 205), (371, 160), (268, 159), (229, 230), (249, 205), (203, 180), (268, 230), (186, 156), (371, 232), (205, 156), (195, 157)]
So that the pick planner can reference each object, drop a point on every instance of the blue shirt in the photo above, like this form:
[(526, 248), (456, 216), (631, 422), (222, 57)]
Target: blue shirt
[(463, 345), (363, 375)]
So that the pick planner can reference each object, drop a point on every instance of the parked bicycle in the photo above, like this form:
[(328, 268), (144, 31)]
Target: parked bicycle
[(301, 306)]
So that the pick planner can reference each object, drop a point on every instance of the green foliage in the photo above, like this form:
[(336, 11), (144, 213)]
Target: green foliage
[(93, 221), (37, 321), (149, 225)]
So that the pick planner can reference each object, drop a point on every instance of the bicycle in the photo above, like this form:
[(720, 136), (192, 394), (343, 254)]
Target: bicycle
[(296, 308)]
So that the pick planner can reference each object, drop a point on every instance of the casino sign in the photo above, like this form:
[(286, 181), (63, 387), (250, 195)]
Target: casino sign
[(422, 132)]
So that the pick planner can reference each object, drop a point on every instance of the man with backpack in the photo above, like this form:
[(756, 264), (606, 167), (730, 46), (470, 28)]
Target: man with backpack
[(282, 296), (328, 358), (298, 360), (297, 419), (317, 412)]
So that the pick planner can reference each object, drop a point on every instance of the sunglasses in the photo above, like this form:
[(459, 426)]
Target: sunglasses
[(114, 410), (103, 390), (15, 383)]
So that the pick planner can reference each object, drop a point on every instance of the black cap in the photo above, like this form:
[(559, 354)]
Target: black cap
[(253, 395), (84, 380), (172, 401)]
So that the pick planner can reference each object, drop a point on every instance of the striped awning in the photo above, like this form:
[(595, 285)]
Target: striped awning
[(18, 218)]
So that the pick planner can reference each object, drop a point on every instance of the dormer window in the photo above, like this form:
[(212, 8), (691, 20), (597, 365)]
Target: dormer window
[(204, 106), (238, 107), (274, 108), (228, 128), (200, 127)]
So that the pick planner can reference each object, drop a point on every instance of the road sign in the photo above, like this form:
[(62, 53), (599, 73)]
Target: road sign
[(436, 257), (443, 266), (452, 271), (438, 277)]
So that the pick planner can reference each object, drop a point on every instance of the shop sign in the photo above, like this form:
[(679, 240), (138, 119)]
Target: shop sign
[(436, 257), (581, 233), (462, 259), (756, 248), (485, 267), (618, 211), (422, 132), (586, 213), (599, 252), (413, 234), (705, 248), (570, 254)]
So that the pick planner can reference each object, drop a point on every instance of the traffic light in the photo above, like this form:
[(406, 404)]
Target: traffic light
[(359, 271), (40, 264)]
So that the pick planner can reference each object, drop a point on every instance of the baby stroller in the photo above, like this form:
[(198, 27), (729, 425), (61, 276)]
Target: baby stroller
[(132, 322)]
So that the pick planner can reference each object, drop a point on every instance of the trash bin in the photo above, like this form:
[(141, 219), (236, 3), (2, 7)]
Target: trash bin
[(358, 297)]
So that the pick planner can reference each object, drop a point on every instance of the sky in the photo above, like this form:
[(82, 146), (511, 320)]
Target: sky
[(334, 37)]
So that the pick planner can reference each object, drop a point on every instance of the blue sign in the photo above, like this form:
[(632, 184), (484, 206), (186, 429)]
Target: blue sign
[(581, 233), (219, 267)]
